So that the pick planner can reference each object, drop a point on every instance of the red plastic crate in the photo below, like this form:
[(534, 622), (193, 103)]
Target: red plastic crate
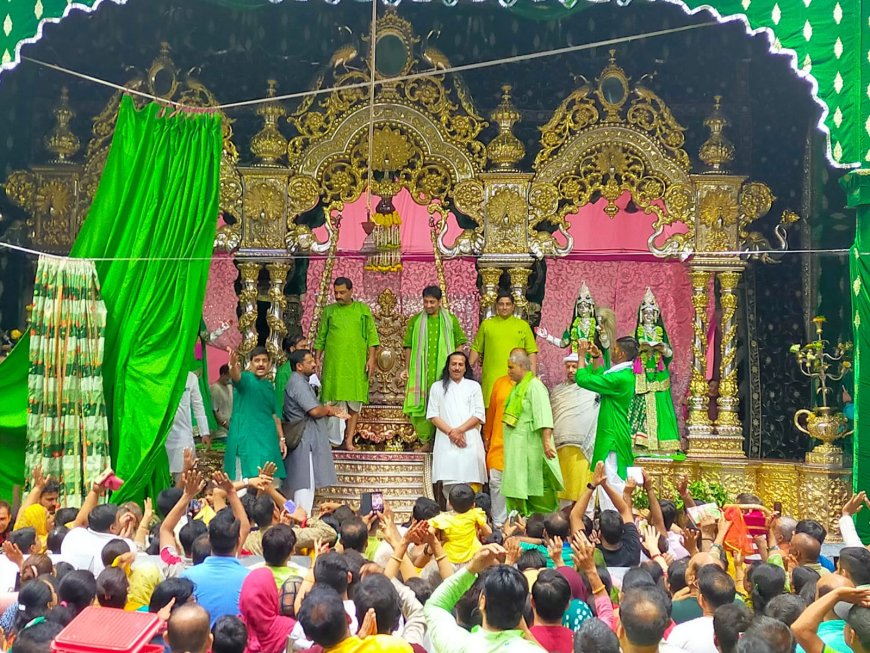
[(107, 630)]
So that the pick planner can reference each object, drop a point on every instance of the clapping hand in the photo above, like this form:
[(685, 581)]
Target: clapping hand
[(599, 476)]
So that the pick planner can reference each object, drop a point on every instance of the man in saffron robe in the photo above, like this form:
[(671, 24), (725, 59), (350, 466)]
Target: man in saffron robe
[(432, 335), (493, 438), (532, 478), (495, 339), (613, 441), (345, 351)]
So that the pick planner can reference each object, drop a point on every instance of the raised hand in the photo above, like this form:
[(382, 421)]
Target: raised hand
[(268, 470), (147, 511), (584, 552), (189, 459), (487, 556), (598, 476), (541, 332), (512, 551), (235, 361), (223, 481), (369, 625), (682, 486), (13, 553), (39, 480), (192, 482), (651, 540), (555, 550), (855, 503)]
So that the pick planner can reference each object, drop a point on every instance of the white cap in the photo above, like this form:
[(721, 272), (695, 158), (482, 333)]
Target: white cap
[(571, 358)]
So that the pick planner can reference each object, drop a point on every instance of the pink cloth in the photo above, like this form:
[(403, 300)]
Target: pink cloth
[(604, 609), (258, 604)]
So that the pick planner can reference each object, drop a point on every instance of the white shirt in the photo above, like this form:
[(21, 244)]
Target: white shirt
[(455, 406), (222, 404), (83, 548), (8, 575), (181, 434), (575, 417), (695, 636)]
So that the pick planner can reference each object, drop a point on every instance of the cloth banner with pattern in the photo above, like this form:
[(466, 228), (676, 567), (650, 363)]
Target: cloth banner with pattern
[(67, 430)]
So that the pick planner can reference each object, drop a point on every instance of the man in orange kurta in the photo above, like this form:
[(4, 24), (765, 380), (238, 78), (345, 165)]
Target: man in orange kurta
[(493, 439)]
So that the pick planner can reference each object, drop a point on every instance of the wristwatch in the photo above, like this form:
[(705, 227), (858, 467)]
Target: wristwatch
[(589, 486)]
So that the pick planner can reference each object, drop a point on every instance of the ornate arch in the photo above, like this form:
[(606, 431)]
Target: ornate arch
[(608, 139)]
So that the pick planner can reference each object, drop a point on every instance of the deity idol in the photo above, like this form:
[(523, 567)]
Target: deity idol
[(652, 417), (589, 324)]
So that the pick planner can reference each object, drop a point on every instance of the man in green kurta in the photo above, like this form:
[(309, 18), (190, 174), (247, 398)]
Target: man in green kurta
[(255, 437), (496, 338), (432, 335), (345, 351), (616, 387), (532, 476)]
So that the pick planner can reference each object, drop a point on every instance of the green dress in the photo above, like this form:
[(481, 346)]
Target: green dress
[(344, 336), (431, 365), (531, 482), (616, 387), (495, 339), (253, 435), (652, 417)]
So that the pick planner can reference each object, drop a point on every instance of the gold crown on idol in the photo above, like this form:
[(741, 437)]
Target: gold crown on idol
[(584, 296), (649, 303)]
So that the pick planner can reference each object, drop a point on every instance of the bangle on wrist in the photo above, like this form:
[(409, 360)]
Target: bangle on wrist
[(598, 590), (441, 557), (396, 558)]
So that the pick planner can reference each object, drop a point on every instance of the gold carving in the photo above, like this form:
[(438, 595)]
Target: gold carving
[(263, 213), (277, 308), (519, 284), (506, 215), (387, 385), (489, 281), (698, 423), (384, 425), (505, 150), (728, 420), (62, 142), (250, 273), (268, 145), (717, 151), (717, 212)]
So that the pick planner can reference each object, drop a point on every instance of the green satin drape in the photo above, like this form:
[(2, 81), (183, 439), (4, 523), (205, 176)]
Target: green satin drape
[(154, 215), (13, 415)]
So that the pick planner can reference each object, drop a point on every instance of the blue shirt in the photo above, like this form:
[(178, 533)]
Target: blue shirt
[(827, 563), (218, 582), (831, 633)]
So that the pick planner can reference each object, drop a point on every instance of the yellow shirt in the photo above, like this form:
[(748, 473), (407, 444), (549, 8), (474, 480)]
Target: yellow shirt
[(493, 428), (373, 644), (460, 533), (495, 339)]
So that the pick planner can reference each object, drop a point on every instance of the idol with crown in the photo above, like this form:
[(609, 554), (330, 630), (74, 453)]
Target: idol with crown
[(589, 324), (652, 417)]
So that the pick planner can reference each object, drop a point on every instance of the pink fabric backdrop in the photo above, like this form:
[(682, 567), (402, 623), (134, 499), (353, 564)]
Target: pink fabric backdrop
[(620, 285)]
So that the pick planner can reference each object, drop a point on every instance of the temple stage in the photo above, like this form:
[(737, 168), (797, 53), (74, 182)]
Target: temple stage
[(806, 491)]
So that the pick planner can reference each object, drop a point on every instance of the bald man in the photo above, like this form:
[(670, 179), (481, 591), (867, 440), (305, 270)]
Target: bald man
[(805, 551), (188, 630), (831, 628), (685, 605)]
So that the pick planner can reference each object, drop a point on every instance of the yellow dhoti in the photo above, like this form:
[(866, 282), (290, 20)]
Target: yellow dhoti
[(575, 472)]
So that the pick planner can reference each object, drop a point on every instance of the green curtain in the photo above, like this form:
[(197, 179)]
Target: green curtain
[(857, 187), (154, 218), (67, 431), (13, 415)]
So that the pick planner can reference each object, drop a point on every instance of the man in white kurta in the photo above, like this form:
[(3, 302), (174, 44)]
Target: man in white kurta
[(456, 411), (222, 401), (181, 434), (575, 418)]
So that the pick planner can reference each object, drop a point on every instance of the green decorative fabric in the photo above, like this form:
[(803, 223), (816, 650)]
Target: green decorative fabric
[(824, 37), (13, 415), (857, 187), (155, 217), (67, 430)]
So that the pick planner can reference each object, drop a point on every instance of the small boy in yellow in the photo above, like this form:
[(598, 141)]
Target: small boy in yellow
[(461, 527)]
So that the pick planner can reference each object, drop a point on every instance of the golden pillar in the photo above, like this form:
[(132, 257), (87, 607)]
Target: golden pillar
[(489, 278), (250, 273), (519, 284), (698, 424), (277, 308), (728, 425)]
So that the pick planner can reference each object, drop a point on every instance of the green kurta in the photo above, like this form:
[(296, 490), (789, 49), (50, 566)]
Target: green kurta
[(495, 339), (652, 417), (616, 387), (253, 434), (432, 367), (531, 481), (282, 375), (344, 336)]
